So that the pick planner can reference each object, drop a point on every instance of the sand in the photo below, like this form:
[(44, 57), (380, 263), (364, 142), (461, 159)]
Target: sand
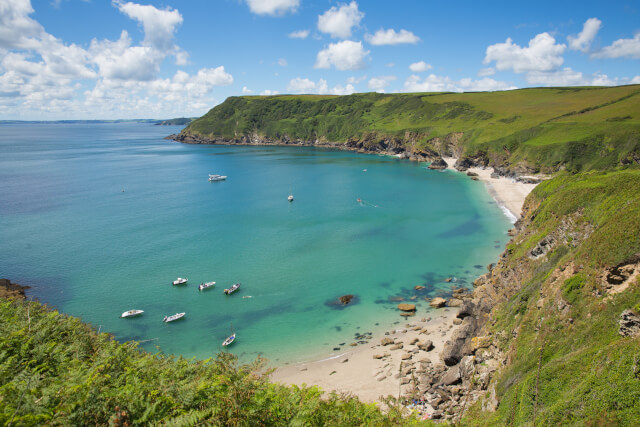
[(508, 193), (358, 372)]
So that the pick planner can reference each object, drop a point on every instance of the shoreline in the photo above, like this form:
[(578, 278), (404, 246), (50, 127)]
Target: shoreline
[(508, 193), (385, 365), (373, 370)]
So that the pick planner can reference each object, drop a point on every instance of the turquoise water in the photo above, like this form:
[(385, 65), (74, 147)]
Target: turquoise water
[(100, 218)]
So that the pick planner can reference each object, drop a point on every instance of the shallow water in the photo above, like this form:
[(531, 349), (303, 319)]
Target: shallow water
[(100, 218)]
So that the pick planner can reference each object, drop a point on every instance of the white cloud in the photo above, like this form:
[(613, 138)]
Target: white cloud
[(355, 80), (419, 67), (380, 83), (300, 85), (273, 7), (484, 72), (246, 90), (282, 62), (159, 25), (390, 37), (621, 48), (582, 41), (302, 34), (434, 83), (344, 55), (390, 65), (43, 77), (542, 54), (269, 92), (569, 77), (635, 80), (338, 22)]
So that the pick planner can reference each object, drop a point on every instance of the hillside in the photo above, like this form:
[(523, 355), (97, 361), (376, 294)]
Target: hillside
[(519, 131)]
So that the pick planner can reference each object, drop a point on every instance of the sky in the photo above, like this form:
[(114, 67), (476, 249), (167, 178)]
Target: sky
[(115, 59)]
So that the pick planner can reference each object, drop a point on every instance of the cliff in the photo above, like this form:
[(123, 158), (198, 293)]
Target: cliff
[(518, 132)]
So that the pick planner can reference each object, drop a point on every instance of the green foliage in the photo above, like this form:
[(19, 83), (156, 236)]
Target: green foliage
[(575, 129), (56, 370), (569, 365), (572, 287)]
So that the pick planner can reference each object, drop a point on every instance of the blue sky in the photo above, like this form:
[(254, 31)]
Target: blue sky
[(94, 59)]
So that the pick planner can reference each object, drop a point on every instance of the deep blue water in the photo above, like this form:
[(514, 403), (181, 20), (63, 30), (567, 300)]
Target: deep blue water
[(100, 218)]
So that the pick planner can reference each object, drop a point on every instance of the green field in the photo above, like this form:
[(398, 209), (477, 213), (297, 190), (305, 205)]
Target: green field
[(536, 130)]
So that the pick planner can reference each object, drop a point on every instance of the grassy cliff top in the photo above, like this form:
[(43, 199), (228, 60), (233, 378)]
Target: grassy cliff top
[(540, 129)]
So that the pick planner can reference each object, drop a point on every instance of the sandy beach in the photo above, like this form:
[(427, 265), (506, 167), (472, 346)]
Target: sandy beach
[(388, 364), (507, 192), (385, 365)]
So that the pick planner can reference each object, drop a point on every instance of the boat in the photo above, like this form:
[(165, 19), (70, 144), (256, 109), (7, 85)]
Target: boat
[(173, 317), (206, 285), (290, 198), (132, 313), (232, 289), (216, 177), (180, 281), (230, 339)]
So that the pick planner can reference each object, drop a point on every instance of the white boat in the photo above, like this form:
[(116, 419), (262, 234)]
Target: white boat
[(132, 313), (230, 339), (232, 289), (180, 281), (206, 285), (290, 198), (173, 317), (216, 177)]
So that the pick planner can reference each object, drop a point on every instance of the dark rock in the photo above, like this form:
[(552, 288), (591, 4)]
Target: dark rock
[(629, 324), (438, 164), (469, 173), (11, 290), (466, 309), (346, 299), (454, 349)]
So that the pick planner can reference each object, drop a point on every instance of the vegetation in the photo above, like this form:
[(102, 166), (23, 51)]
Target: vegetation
[(542, 130), (56, 370), (568, 364)]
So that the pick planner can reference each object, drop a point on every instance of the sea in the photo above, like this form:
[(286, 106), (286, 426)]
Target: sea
[(100, 218)]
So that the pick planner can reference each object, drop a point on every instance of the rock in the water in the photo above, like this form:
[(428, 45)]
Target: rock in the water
[(629, 324), (469, 173), (11, 290), (418, 287), (346, 299), (448, 279), (386, 341), (438, 302), (407, 307), (438, 164)]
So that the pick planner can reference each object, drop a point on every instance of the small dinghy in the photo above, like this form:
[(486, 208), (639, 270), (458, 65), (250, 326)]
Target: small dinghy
[(290, 198), (174, 317), (132, 313), (216, 177), (180, 281), (206, 285), (230, 339), (232, 289)]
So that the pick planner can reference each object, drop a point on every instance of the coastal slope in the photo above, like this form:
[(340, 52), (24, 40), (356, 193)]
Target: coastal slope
[(519, 132)]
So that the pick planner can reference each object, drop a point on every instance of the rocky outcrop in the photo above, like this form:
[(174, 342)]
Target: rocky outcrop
[(346, 299), (12, 290), (629, 324), (438, 302), (406, 307), (438, 164)]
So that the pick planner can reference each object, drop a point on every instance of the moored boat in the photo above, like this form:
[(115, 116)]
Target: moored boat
[(132, 313), (216, 177), (290, 198), (173, 317), (232, 289), (206, 285), (230, 339), (180, 281)]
